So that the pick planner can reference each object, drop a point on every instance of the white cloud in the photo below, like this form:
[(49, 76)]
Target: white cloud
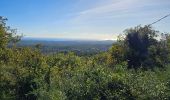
[(105, 9), (113, 16), (118, 9)]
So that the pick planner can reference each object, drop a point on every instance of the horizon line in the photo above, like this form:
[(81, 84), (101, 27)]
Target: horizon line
[(53, 38)]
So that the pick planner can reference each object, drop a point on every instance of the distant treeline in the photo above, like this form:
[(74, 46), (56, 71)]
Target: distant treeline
[(79, 47)]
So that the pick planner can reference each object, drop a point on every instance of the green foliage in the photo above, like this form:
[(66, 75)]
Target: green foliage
[(141, 48), (3, 33), (146, 85), (138, 40), (100, 58), (26, 74), (7, 34), (94, 82), (25, 71), (116, 55)]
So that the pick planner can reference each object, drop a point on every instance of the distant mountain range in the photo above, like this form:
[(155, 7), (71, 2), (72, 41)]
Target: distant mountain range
[(62, 39)]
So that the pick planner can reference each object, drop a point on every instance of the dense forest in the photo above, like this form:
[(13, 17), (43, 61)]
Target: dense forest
[(136, 67)]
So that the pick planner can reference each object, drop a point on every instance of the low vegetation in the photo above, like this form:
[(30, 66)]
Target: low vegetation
[(136, 67)]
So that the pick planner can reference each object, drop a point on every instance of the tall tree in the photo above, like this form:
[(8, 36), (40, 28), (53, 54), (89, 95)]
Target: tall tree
[(138, 40)]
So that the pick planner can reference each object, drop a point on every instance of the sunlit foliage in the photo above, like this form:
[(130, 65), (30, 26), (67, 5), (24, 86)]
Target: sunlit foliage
[(135, 68)]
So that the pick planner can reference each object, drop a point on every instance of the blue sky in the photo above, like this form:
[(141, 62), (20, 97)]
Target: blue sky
[(83, 19)]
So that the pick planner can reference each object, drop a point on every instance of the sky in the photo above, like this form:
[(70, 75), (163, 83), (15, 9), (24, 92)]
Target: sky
[(83, 19)]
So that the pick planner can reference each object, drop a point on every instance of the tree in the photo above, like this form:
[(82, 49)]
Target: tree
[(7, 34), (137, 41)]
